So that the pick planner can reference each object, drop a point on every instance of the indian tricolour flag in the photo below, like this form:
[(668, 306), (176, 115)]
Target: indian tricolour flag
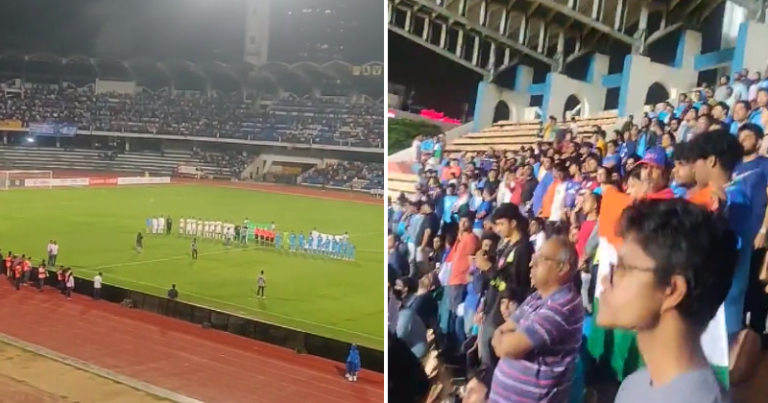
[(619, 347)]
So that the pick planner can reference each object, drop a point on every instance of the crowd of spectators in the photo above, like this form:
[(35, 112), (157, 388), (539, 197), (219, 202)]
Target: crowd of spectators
[(348, 175), (335, 121), (234, 162), (542, 274)]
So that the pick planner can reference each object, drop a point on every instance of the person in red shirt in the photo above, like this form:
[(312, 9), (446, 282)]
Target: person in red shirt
[(654, 176), (458, 259)]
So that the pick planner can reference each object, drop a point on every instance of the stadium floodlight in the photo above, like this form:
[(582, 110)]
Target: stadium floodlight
[(19, 179)]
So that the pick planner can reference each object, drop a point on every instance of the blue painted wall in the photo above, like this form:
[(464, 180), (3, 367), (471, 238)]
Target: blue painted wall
[(481, 88), (624, 88)]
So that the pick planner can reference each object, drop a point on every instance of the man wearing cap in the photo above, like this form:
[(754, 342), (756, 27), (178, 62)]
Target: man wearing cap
[(654, 177)]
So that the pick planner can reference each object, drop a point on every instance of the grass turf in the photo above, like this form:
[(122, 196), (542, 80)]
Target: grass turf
[(96, 229)]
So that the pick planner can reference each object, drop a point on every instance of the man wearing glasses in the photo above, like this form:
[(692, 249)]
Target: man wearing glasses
[(673, 272), (539, 344)]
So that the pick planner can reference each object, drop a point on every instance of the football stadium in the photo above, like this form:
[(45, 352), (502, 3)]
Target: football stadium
[(192, 210)]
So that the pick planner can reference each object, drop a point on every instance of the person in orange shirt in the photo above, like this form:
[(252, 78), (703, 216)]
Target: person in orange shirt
[(463, 249), (18, 273), (453, 170), (8, 265), (60, 278), (27, 266), (42, 274)]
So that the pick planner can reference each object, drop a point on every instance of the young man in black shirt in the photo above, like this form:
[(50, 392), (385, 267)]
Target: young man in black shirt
[(506, 273)]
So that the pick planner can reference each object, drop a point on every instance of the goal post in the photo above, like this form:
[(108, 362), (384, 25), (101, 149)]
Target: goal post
[(25, 178)]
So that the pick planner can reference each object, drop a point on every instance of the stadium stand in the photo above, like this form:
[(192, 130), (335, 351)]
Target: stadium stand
[(268, 128), (561, 174)]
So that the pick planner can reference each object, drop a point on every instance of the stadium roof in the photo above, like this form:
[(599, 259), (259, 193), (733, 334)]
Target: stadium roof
[(593, 22), (144, 71)]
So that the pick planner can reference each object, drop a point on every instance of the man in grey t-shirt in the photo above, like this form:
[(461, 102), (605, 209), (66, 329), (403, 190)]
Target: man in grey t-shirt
[(698, 386), (673, 271)]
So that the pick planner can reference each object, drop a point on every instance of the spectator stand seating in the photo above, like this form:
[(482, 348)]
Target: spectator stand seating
[(26, 157), (502, 136), (349, 175), (252, 110)]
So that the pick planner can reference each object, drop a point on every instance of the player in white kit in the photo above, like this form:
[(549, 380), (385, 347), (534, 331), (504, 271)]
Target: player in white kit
[(155, 225), (206, 229), (161, 225), (219, 230), (182, 225), (199, 228)]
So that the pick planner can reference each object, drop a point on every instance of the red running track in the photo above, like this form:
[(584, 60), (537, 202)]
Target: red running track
[(208, 365)]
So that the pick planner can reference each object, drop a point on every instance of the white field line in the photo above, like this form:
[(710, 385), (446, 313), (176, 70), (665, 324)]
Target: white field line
[(94, 270)]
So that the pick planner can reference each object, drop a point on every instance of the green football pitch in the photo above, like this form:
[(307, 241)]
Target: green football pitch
[(96, 230)]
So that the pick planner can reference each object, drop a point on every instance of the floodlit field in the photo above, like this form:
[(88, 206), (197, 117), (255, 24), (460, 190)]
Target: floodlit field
[(96, 228)]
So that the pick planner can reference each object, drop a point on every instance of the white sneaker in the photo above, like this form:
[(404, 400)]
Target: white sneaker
[(354, 378)]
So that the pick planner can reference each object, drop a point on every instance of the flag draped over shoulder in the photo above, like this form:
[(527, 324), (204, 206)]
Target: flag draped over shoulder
[(616, 347)]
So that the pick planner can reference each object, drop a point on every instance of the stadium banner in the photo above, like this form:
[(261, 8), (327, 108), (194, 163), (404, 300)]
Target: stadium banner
[(57, 182), (52, 129), (102, 181), (143, 180), (11, 125)]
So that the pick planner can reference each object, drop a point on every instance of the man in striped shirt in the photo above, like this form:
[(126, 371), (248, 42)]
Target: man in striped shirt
[(539, 344)]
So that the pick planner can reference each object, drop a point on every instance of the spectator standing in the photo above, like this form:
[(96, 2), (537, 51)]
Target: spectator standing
[(669, 296), (427, 231), (53, 253), (97, 283), (173, 293), (70, 283), (539, 344), (753, 171), (410, 328), (509, 269), (463, 249), (42, 274)]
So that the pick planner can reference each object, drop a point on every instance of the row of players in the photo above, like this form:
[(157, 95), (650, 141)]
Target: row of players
[(326, 245), (196, 227), (314, 243)]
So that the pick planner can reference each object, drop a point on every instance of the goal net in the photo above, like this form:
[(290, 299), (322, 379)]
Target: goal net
[(20, 179)]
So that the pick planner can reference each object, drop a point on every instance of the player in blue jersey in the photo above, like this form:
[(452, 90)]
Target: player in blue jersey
[(351, 249), (292, 242), (336, 249), (278, 240), (301, 241), (343, 249), (327, 246)]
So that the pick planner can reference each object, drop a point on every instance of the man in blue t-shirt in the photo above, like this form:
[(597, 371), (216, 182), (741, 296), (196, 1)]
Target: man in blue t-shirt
[(752, 172), (483, 212), (716, 154)]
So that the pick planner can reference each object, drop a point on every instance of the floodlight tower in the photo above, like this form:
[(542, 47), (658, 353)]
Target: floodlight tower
[(256, 31)]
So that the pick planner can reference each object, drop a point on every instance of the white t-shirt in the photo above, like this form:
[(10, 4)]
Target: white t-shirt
[(97, 281), (538, 240), (558, 203)]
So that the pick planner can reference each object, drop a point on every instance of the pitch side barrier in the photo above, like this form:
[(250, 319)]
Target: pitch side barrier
[(297, 340)]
